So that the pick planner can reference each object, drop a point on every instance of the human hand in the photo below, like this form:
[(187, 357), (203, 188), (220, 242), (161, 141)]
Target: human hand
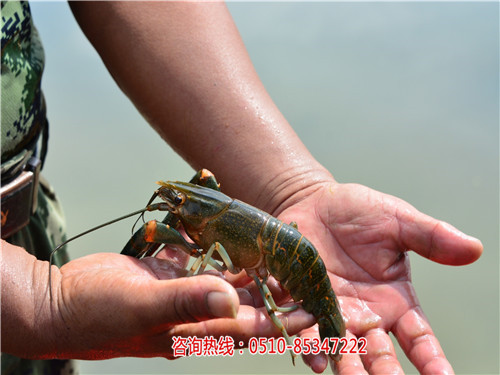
[(113, 305), (363, 236)]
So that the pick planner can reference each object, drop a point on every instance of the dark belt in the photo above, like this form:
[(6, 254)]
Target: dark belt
[(19, 198)]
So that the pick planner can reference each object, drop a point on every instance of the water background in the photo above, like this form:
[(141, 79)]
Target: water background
[(401, 97)]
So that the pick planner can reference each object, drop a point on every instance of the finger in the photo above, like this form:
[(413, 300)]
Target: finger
[(239, 280), (249, 323), (245, 297), (189, 299), (381, 356), (437, 240), (279, 294), (350, 363), (422, 348), (318, 362)]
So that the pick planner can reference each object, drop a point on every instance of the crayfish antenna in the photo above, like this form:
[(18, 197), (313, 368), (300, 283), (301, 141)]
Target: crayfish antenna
[(51, 257), (135, 223), (153, 197)]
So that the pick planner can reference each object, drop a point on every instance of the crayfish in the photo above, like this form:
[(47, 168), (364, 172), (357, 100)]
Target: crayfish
[(241, 237)]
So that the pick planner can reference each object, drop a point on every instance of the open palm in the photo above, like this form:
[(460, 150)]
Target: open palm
[(363, 237)]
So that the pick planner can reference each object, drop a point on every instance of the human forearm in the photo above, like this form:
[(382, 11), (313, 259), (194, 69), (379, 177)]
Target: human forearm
[(27, 319), (188, 72)]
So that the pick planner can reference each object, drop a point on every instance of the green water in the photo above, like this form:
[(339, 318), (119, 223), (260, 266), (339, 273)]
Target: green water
[(401, 97)]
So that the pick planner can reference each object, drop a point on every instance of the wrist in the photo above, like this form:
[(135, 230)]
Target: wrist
[(292, 185), (274, 178)]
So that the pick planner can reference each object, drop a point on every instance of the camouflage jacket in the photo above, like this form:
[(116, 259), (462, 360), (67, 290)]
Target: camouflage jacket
[(23, 117)]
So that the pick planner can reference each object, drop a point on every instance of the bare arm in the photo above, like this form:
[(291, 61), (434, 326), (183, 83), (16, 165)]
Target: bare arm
[(185, 67), (27, 320)]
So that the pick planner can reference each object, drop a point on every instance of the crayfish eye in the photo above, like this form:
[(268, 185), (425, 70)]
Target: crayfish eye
[(179, 199)]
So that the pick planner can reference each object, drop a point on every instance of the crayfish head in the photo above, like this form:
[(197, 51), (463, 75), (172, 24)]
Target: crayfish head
[(194, 205)]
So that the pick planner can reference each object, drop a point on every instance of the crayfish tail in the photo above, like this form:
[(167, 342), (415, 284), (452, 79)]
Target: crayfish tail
[(332, 326)]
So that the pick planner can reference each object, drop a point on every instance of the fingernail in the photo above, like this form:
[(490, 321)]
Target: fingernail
[(221, 305)]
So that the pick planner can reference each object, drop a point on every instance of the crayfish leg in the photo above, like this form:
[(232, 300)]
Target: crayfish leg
[(196, 268), (271, 308), (207, 259)]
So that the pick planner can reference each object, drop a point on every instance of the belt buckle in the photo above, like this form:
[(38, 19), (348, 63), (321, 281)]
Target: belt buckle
[(20, 198)]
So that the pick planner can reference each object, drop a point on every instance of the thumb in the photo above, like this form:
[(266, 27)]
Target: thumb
[(437, 240), (192, 299)]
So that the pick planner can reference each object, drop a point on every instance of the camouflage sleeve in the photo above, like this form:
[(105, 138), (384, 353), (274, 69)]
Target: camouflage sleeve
[(23, 106)]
